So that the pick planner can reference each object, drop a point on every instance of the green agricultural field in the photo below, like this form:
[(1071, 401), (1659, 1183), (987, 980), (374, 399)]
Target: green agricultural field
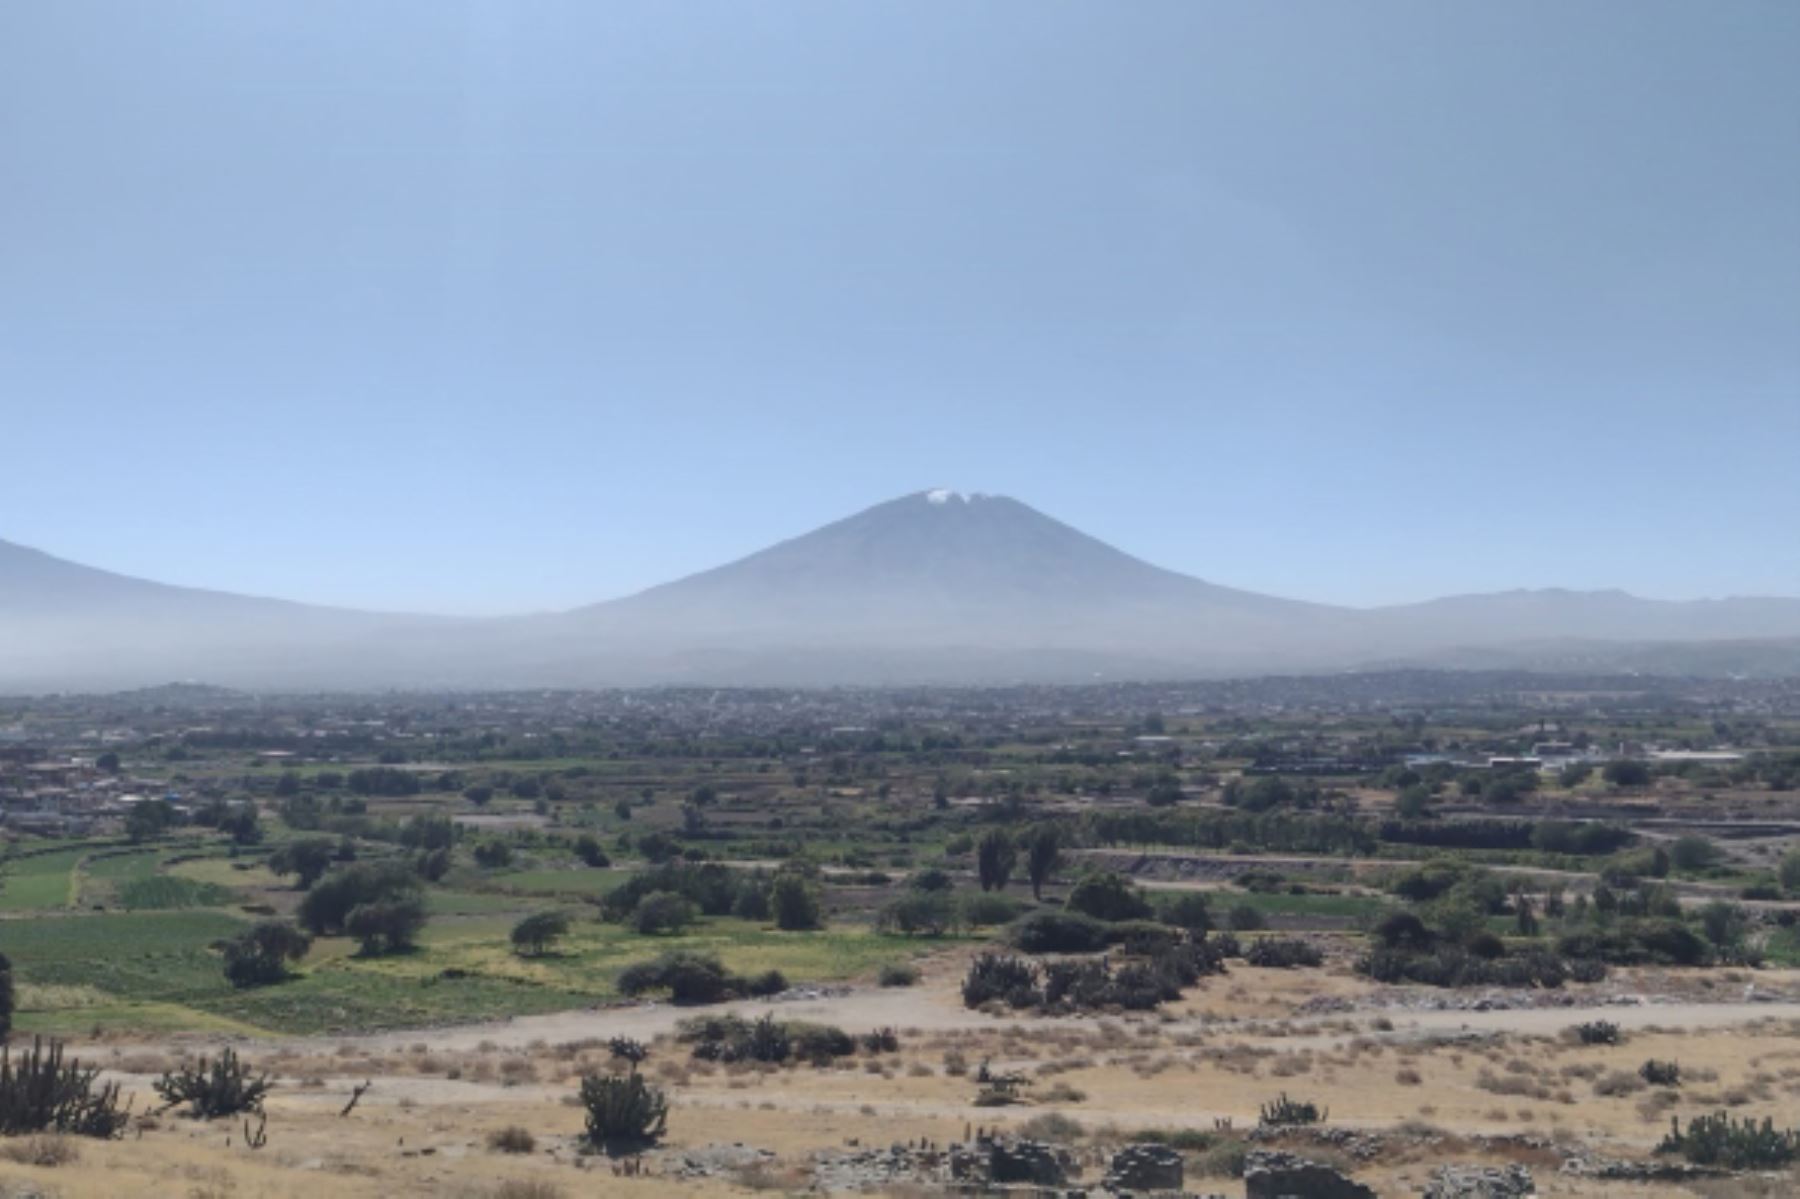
[(41, 881), (157, 970), (1335, 909), (581, 881)]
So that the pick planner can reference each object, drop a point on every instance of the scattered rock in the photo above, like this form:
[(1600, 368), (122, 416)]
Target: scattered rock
[(1480, 1182)]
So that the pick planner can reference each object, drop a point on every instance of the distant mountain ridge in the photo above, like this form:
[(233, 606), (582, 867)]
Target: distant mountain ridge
[(937, 586)]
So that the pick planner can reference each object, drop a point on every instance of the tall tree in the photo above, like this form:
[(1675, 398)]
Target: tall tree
[(1043, 854), (994, 860)]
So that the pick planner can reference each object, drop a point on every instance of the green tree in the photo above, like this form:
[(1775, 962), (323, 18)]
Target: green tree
[(1414, 802), (1790, 871), (663, 912), (243, 824), (309, 858), (1043, 854), (994, 860), (1187, 909), (795, 902), (533, 935), (387, 926), (259, 955), (587, 848), (326, 908), (150, 818), (1108, 896), (1626, 772), (1693, 853)]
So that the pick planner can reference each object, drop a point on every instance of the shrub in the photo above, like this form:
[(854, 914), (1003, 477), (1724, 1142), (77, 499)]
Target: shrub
[(1286, 1113), (40, 1092), (898, 974), (1405, 931), (492, 855), (1143, 938), (1637, 942), (715, 889), (1108, 896), (920, 913), (1000, 976), (734, 1039), (624, 1113), (1721, 1140), (1187, 909), (6, 997), (689, 978), (1453, 966), (932, 878), (662, 912), (1660, 1074), (1283, 953), (769, 982), (1244, 918), (534, 934), (511, 1139), (223, 1087), (1058, 932), (1598, 1032), (983, 909)]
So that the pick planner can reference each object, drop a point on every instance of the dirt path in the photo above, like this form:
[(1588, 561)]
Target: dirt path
[(939, 1009)]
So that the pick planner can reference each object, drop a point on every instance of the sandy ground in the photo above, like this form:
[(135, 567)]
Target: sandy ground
[(1234, 1044)]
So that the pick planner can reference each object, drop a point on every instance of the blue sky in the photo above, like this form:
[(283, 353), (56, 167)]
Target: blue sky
[(488, 307)]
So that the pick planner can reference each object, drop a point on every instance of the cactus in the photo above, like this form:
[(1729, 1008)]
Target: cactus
[(624, 1113), (1722, 1140), (628, 1049), (257, 1137), (1285, 1112), (223, 1088), (40, 1092)]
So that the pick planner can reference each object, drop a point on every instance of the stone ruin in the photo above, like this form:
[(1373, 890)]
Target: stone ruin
[(1481, 1182), (1272, 1175), (1144, 1169), (1007, 1161)]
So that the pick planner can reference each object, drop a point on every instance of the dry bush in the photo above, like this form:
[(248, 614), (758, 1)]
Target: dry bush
[(519, 1188), (1052, 1126), (511, 1139), (1408, 1077), (48, 1149), (1617, 1083)]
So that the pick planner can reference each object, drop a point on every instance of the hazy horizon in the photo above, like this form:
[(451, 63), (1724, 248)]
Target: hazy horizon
[(486, 309), (779, 540)]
